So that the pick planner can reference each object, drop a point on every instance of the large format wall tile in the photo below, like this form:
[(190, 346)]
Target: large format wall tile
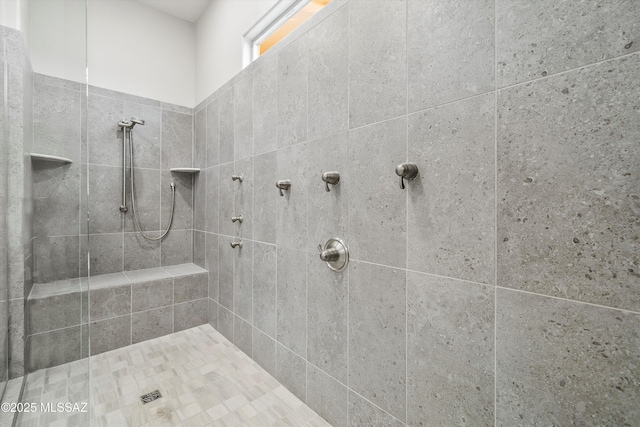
[(226, 199), (242, 280), (110, 302), (226, 127), (363, 413), (568, 185), (226, 260), (183, 209), (264, 351), (377, 335), (451, 202), (375, 198), (200, 139), (242, 335), (264, 288), (545, 37), (56, 128), (291, 371), (106, 253), (327, 211), (291, 209), (450, 46), (265, 102), (177, 247), (264, 197), (103, 133), (450, 351), (150, 295), (225, 323), (292, 93), (243, 123), (326, 396), (211, 264), (62, 346), (151, 324), (291, 304), (105, 188), (243, 195), (328, 50), (327, 318), (56, 258), (213, 133), (211, 199), (190, 314), (140, 253), (200, 201), (56, 199), (565, 363), (110, 334), (377, 61), (147, 185), (147, 137), (177, 140)]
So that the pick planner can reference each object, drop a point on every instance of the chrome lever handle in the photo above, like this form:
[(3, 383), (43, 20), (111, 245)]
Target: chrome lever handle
[(407, 171), (237, 218), (332, 178), (236, 244), (237, 177), (284, 184)]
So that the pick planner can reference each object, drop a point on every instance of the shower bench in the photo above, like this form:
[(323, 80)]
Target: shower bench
[(74, 318)]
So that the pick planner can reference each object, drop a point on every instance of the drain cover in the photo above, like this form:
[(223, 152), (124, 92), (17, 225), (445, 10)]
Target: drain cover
[(150, 397)]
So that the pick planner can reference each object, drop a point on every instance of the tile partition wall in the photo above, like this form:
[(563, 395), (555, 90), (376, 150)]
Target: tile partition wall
[(165, 141), (501, 287), (18, 84)]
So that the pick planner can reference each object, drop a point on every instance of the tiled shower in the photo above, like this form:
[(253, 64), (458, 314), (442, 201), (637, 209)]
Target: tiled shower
[(499, 287)]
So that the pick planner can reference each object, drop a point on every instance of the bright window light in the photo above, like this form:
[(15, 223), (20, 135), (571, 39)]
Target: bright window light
[(284, 17)]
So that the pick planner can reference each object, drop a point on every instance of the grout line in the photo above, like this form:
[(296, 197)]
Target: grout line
[(495, 214), (560, 73), (623, 310)]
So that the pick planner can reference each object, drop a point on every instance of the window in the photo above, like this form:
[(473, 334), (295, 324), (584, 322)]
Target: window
[(284, 17)]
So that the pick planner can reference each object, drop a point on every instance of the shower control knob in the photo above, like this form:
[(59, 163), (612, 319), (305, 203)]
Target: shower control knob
[(237, 177), (335, 254), (237, 218), (236, 244), (407, 171), (332, 178), (284, 184)]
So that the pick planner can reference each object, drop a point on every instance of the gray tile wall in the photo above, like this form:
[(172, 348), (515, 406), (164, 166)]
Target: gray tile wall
[(17, 139), (164, 142), (119, 309), (501, 287)]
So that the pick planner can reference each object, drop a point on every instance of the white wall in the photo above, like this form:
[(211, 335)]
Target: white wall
[(219, 41), (15, 14), (139, 50), (132, 48), (58, 38)]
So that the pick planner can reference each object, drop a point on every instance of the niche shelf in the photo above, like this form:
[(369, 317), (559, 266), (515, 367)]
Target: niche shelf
[(185, 170), (49, 158)]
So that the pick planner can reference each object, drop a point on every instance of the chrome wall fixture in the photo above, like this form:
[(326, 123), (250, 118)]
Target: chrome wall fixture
[(332, 178), (284, 184), (237, 177), (237, 218), (237, 244), (335, 253), (127, 131), (407, 171)]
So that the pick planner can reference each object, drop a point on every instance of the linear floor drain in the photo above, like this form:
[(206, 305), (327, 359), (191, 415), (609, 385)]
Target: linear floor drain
[(150, 397)]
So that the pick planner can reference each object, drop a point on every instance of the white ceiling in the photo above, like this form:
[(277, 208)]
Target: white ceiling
[(189, 10)]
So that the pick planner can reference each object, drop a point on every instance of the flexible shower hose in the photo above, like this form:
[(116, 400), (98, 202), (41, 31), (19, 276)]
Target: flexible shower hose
[(133, 197)]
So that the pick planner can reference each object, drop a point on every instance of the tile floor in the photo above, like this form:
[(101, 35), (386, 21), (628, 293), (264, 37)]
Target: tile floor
[(204, 380)]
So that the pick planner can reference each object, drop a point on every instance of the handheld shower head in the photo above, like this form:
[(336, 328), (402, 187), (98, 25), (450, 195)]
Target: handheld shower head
[(136, 121)]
